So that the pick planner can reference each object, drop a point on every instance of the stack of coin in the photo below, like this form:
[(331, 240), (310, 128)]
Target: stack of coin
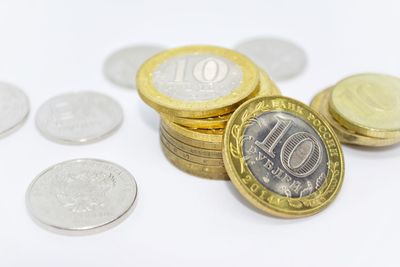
[(363, 109), (196, 89)]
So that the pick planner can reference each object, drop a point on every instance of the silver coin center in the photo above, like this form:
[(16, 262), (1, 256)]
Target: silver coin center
[(197, 77), (285, 154)]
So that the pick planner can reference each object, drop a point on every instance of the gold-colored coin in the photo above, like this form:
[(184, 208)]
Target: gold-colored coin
[(368, 104), (210, 172), (201, 152), (190, 157), (208, 139), (283, 157), (265, 88), (320, 103), (197, 81)]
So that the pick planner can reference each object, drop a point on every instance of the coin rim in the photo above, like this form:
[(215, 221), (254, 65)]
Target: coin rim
[(196, 109), (84, 230), (276, 204)]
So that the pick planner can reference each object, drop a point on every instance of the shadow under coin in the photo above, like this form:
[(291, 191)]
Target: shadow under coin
[(150, 117)]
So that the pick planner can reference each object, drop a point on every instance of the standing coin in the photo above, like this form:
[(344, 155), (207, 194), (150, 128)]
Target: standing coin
[(78, 118), (14, 108), (81, 195), (283, 157), (282, 59), (197, 81), (121, 67), (368, 104)]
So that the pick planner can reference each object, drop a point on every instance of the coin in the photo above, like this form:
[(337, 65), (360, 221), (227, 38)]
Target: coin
[(197, 81), (121, 66), (368, 104), (210, 172), (282, 59), (81, 195), (207, 139), (78, 118), (191, 157), (266, 88), (14, 108), (283, 157), (201, 152), (320, 103)]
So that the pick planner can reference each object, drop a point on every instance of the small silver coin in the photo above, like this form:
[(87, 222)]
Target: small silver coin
[(78, 118), (81, 196), (121, 67), (282, 59), (14, 108), (285, 154)]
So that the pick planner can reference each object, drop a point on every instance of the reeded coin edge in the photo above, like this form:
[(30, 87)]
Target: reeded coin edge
[(196, 109), (82, 230), (251, 189)]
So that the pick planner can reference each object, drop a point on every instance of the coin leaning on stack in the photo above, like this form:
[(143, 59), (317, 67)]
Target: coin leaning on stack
[(196, 89), (363, 109)]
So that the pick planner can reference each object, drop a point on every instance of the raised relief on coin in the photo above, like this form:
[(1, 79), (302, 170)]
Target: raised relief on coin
[(368, 104), (283, 157), (77, 118), (81, 194), (14, 108), (197, 77), (285, 154)]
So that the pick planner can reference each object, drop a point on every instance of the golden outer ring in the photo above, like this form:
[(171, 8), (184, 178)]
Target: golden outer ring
[(196, 109), (267, 86), (251, 189), (190, 157), (209, 172), (320, 103), (354, 125), (195, 137), (201, 152)]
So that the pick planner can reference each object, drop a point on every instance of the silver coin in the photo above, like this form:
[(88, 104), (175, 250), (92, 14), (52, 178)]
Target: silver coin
[(285, 154), (14, 108), (121, 67), (78, 118), (282, 59), (81, 195), (197, 77)]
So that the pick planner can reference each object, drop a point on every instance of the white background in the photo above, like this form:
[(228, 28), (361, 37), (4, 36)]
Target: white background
[(51, 47)]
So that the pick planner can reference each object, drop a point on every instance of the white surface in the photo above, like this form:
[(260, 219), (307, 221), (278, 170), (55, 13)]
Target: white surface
[(51, 47)]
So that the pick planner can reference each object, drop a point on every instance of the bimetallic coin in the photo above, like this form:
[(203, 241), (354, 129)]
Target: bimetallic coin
[(197, 81), (320, 103), (282, 59), (78, 118), (121, 67), (368, 104), (283, 157), (14, 108), (200, 170), (208, 139), (191, 157), (201, 152), (81, 195)]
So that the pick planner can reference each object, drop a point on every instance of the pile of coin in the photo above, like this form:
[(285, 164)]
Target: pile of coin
[(363, 109), (195, 89)]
